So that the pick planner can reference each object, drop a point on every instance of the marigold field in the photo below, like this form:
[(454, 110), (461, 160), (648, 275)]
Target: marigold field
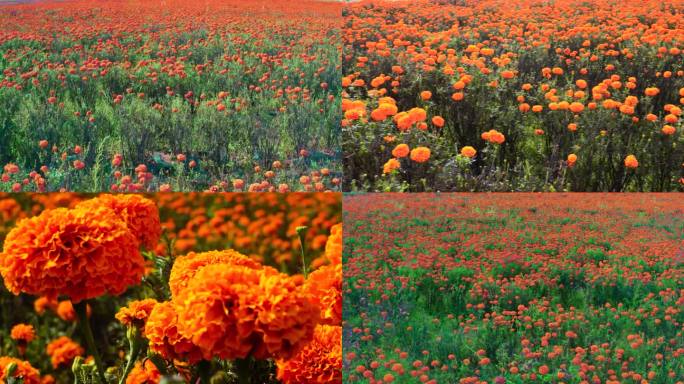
[(170, 95), (171, 288), (521, 95), (523, 288)]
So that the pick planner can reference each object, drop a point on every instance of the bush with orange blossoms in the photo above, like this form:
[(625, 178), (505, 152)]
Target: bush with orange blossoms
[(524, 84), (237, 257), (132, 102)]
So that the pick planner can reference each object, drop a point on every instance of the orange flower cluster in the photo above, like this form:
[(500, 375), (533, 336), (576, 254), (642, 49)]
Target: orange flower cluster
[(63, 351), (24, 370)]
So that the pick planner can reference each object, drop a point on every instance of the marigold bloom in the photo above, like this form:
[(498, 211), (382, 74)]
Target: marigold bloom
[(401, 150), (325, 287), (319, 362), (669, 130), (420, 154), (468, 151), (24, 370), (391, 165), (631, 161), (23, 332), (438, 121), (185, 267), (139, 213), (162, 331), (136, 312), (232, 311), (426, 95), (144, 373), (63, 351), (80, 253), (66, 311), (572, 159)]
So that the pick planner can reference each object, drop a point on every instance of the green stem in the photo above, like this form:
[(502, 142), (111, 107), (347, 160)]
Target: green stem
[(204, 368), (243, 370), (135, 343), (301, 233), (82, 313)]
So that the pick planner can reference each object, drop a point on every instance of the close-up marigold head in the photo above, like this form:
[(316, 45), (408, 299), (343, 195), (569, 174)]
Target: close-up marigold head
[(286, 317), (79, 253), (63, 351), (325, 287), (139, 213), (232, 311), (319, 362), (136, 312), (185, 267), (24, 370), (161, 330), (23, 332), (213, 311)]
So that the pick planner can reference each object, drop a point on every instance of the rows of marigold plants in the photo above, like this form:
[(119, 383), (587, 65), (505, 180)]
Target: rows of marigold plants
[(486, 288), (171, 288), (180, 95), (470, 95)]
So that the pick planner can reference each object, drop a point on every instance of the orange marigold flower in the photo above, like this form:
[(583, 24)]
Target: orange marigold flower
[(325, 287), (651, 91), (161, 330), (333, 247), (139, 213), (401, 150), (43, 303), (319, 362), (185, 267), (66, 312), (24, 370), (136, 312), (468, 151), (669, 130), (391, 165), (23, 332), (232, 311), (572, 159), (438, 121), (426, 95), (80, 253), (63, 351), (420, 154), (631, 161), (144, 373)]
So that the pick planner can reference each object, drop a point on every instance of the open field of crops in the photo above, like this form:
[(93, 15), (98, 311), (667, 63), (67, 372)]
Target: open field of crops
[(491, 95), (170, 95), (170, 288), (522, 288)]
